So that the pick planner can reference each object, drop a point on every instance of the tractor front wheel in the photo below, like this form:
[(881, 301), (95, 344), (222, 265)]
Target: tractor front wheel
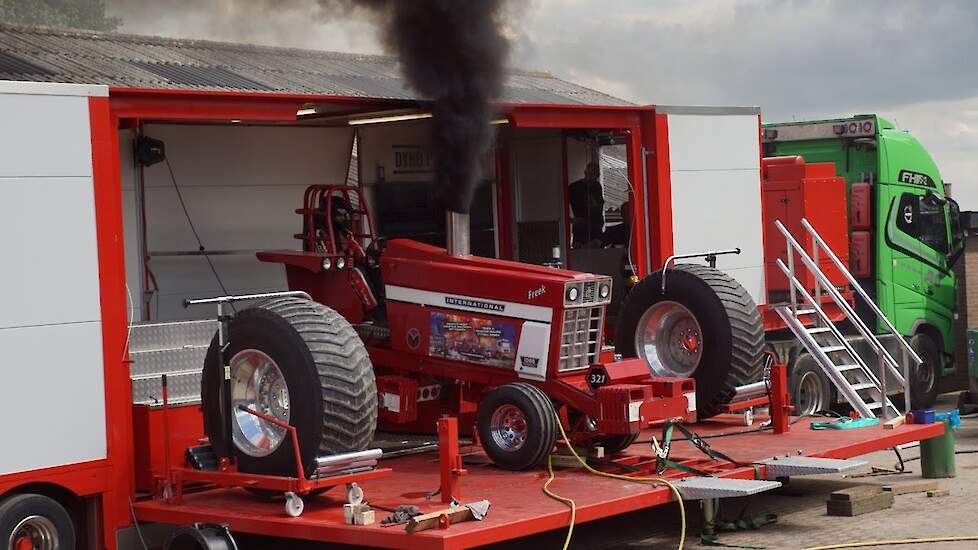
[(517, 426)]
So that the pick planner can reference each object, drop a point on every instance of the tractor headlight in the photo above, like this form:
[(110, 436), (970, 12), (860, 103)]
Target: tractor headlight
[(573, 293), (340, 263), (604, 290), (327, 264)]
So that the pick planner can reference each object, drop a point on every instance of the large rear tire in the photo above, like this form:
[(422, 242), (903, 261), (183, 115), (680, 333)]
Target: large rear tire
[(302, 363), (705, 326)]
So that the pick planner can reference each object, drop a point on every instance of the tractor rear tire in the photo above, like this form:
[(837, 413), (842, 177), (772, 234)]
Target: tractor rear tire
[(331, 397), (708, 329), (36, 520), (517, 426)]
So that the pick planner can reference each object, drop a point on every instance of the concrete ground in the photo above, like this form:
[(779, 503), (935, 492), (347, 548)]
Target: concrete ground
[(802, 521)]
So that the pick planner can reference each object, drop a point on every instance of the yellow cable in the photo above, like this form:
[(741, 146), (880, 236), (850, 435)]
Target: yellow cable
[(892, 542), (565, 500), (675, 490)]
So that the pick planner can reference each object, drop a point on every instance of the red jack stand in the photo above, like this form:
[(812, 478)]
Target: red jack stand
[(449, 459), (780, 398)]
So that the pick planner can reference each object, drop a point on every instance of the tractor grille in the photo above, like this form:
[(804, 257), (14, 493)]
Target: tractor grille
[(590, 290), (580, 337)]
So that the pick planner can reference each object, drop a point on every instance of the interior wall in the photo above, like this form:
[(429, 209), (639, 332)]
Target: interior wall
[(241, 186)]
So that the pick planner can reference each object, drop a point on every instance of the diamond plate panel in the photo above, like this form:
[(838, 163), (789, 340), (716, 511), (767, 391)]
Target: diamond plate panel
[(787, 466), (161, 336), (698, 488), (175, 349), (184, 388)]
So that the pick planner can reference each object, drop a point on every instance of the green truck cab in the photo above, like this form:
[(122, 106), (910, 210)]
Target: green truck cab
[(915, 229)]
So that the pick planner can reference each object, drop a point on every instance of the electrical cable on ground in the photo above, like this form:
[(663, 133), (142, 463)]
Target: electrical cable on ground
[(892, 542), (193, 228), (586, 466), (569, 502)]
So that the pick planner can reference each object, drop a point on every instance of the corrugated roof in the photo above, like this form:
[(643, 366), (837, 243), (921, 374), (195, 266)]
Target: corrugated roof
[(133, 61)]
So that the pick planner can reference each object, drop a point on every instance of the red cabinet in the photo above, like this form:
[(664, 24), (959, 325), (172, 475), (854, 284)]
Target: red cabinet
[(794, 189)]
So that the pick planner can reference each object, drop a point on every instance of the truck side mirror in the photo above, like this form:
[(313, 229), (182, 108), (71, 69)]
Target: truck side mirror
[(958, 232)]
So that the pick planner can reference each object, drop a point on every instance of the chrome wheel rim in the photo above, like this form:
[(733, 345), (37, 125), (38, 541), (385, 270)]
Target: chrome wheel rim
[(508, 428), (809, 399), (38, 531), (257, 383), (669, 338)]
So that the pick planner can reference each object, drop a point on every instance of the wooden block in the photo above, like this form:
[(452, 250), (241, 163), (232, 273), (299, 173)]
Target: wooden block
[(358, 514), (431, 520), (856, 493), (364, 517), (898, 421), (564, 461), (869, 503), (938, 493), (911, 487)]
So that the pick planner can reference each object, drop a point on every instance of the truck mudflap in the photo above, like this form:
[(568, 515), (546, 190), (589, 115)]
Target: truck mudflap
[(629, 408)]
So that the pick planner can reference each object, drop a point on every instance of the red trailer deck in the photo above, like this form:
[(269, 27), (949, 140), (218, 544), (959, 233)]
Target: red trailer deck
[(519, 506)]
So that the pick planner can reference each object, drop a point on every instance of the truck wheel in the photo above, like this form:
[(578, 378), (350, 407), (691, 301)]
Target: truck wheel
[(923, 379), (517, 426), (811, 389), (35, 521), (302, 363), (616, 443), (705, 326)]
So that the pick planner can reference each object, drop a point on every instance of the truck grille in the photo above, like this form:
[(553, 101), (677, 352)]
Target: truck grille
[(580, 338), (590, 290)]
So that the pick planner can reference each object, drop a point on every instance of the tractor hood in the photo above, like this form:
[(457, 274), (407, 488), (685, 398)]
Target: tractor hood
[(410, 264)]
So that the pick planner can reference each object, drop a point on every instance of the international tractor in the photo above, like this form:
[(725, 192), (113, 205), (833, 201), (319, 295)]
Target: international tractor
[(408, 332), (880, 196)]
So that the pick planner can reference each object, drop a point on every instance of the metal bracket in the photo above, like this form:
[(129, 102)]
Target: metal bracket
[(711, 258)]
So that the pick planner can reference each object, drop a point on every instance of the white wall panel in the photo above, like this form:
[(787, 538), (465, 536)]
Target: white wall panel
[(44, 136), (714, 142), (716, 193), (49, 251), (53, 386), (241, 186)]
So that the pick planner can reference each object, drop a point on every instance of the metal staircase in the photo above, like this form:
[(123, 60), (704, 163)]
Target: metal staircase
[(865, 388)]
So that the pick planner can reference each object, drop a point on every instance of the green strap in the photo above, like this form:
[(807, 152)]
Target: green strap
[(662, 451)]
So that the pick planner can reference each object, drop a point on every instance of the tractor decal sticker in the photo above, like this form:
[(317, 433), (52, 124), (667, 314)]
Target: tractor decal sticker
[(413, 338), (472, 339), (536, 292), (476, 304)]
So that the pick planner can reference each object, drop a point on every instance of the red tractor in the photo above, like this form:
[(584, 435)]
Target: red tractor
[(499, 344)]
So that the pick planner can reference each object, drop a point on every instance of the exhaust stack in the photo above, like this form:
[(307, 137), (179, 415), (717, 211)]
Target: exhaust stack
[(457, 233)]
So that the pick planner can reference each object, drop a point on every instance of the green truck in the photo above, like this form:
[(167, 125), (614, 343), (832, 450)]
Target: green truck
[(914, 236)]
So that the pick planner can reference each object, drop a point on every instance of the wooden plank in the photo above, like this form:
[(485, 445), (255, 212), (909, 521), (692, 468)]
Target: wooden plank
[(872, 503), (921, 486), (939, 493), (431, 520), (856, 493), (893, 423)]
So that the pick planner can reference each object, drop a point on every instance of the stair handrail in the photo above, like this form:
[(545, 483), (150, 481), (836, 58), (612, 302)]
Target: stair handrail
[(843, 304), (859, 289), (837, 378)]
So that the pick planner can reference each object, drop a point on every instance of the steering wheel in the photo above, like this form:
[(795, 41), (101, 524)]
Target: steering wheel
[(375, 250)]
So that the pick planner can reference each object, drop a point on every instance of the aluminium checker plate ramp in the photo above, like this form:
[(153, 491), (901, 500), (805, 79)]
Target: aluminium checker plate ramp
[(699, 488), (787, 466)]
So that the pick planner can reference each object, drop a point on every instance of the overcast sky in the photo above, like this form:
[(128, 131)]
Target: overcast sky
[(912, 61)]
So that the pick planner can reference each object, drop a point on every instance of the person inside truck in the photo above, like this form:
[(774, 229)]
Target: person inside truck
[(587, 204)]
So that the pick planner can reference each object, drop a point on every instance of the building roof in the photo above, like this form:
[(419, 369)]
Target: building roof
[(131, 61)]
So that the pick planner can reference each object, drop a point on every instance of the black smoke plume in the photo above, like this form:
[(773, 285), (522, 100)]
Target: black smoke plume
[(451, 51)]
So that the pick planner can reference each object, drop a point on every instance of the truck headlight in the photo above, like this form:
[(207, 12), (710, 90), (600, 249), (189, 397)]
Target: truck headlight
[(340, 263), (604, 291), (327, 263)]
